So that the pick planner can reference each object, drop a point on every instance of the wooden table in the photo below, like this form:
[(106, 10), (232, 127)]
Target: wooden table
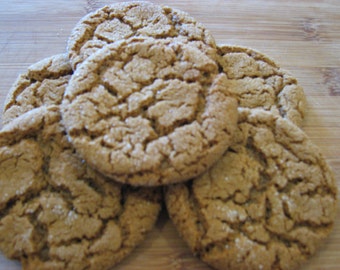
[(302, 36)]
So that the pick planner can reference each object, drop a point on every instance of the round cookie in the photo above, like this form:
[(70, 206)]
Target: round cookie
[(266, 204), (44, 83), (127, 19), (258, 82), (149, 112), (55, 211)]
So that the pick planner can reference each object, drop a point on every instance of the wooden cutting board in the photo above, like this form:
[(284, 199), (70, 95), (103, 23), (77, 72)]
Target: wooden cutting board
[(302, 36)]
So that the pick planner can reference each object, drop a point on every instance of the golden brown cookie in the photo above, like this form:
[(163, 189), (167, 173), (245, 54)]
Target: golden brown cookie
[(149, 112), (258, 82), (55, 211), (44, 83), (266, 204), (127, 19)]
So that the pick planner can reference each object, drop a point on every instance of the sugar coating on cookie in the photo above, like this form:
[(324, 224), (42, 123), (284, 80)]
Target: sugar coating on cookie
[(55, 211), (266, 204), (149, 112), (258, 82), (124, 20), (43, 83)]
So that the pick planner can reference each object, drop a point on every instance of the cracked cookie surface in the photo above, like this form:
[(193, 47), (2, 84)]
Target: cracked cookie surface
[(266, 204), (149, 112), (55, 211), (44, 83), (258, 82), (124, 20)]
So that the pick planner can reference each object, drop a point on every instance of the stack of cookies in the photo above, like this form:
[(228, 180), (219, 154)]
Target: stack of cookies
[(143, 109)]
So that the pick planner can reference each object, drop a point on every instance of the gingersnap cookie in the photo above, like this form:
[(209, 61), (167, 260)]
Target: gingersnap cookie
[(258, 82), (124, 20), (44, 83), (266, 204), (55, 211), (149, 112)]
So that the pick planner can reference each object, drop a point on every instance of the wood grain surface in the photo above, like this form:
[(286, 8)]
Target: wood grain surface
[(302, 36)]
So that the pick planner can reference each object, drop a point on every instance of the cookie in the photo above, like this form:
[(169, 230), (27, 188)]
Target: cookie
[(127, 19), (55, 211), (258, 82), (266, 204), (149, 112), (44, 83)]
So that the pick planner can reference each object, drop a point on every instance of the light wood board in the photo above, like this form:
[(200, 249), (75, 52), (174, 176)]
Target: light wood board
[(302, 36)]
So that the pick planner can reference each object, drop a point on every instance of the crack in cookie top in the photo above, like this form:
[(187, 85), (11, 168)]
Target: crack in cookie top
[(149, 112), (266, 204), (55, 211), (258, 82), (44, 83), (124, 20)]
